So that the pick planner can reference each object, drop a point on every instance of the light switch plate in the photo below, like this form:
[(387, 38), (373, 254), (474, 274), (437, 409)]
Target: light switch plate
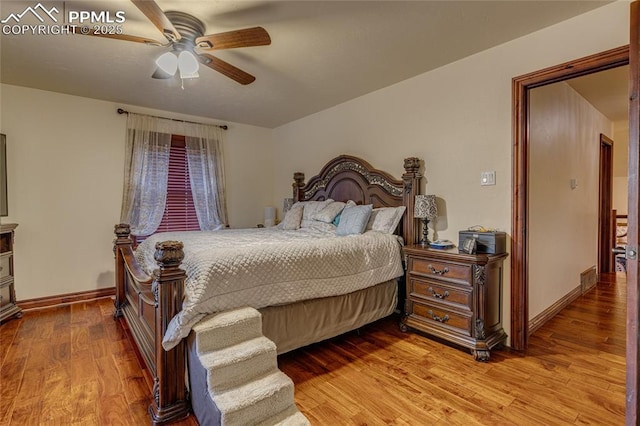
[(488, 178)]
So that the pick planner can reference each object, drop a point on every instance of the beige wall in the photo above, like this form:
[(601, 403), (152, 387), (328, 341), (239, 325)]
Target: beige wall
[(564, 144), (65, 165), (620, 166), (457, 118)]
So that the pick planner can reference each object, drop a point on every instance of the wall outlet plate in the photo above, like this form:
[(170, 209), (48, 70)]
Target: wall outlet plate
[(488, 178)]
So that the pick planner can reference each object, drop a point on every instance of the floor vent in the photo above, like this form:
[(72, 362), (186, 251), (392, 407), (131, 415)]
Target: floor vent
[(588, 279)]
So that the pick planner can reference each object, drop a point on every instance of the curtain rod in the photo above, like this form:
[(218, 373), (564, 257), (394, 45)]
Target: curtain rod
[(222, 126)]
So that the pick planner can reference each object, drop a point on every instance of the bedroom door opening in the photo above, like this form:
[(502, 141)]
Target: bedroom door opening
[(570, 186), (520, 250), (520, 205), (606, 223)]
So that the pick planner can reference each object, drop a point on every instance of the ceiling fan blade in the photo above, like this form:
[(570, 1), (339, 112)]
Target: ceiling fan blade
[(157, 17), (226, 68), (256, 36), (126, 37)]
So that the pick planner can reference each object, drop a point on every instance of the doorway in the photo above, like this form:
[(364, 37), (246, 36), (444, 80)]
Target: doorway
[(520, 218), (606, 221)]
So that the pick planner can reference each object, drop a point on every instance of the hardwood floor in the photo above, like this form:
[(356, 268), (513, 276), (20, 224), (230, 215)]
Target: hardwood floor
[(74, 365)]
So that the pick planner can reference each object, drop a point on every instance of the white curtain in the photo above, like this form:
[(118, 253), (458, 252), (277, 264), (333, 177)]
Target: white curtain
[(206, 170), (147, 167), (145, 177)]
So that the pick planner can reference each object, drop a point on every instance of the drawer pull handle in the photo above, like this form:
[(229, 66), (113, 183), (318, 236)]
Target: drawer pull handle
[(437, 295), (437, 318), (438, 272)]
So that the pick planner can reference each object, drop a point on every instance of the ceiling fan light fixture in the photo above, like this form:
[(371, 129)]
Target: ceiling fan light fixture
[(168, 63), (188, 65)]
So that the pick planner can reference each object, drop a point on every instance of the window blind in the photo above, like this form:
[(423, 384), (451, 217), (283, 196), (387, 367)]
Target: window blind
[(179, 212)]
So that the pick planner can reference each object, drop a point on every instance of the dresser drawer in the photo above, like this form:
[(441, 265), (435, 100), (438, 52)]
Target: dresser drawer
[(442, 318), (6, 243), (436, 269), (441, 293), (5, 267), (5, 295)]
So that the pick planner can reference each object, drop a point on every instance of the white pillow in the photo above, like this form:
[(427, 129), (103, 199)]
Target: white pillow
[(310, 209), (385, 219), (353, 219), (329, 212), (293, 218)]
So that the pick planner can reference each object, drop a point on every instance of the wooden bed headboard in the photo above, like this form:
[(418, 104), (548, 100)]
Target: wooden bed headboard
[(351, 178)]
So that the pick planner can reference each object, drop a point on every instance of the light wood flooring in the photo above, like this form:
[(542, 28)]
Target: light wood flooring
[(74, 365)]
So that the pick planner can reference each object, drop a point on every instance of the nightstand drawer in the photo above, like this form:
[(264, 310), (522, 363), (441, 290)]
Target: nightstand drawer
[(437, 269), (439, 292), (443, 318)]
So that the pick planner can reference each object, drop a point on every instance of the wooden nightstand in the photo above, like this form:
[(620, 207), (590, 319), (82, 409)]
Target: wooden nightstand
[(456, 297), (8, 307)]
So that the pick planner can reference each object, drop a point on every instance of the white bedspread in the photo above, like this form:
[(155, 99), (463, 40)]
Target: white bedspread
[(264, 267)]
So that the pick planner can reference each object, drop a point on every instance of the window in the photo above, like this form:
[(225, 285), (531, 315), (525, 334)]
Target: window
[(179, 211), (152, 143)]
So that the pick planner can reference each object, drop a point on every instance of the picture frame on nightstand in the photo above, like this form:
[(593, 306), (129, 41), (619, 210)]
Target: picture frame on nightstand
[(469, 246)]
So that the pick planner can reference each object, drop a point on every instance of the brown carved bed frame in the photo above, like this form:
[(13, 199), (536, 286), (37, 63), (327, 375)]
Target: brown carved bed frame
[(148, 303)]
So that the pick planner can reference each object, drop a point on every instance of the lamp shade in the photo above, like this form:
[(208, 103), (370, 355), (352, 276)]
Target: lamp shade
[(269, 216), (188, 65), (168, 62), (425, 207)]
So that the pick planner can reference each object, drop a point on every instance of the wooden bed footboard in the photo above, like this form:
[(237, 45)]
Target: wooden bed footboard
[(147, 303)]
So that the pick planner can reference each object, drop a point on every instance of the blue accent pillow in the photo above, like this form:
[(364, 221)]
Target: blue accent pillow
[(353, 220)]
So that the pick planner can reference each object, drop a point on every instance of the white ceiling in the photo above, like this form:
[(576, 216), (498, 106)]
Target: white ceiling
[(322, 53), (607, 91)]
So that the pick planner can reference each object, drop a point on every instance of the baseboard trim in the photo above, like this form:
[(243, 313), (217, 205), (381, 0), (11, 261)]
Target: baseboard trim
[(65, 299), (544, 316)]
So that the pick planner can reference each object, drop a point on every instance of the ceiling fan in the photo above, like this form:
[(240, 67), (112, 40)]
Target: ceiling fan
[(189, 45)]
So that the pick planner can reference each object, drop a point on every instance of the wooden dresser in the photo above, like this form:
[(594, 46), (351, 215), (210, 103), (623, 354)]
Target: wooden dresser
[(8, 307), (456, 297)]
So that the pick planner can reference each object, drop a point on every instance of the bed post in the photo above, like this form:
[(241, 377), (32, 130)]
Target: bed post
[(411, 180), (123, 232), (169, 389), (298, 184)]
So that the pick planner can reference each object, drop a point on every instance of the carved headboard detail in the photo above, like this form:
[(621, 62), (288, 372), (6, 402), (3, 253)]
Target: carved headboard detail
[(351, 178)]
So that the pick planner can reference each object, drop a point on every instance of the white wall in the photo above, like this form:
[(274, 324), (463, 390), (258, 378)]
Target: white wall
[(65, 172), (564, 144), (457, 118)]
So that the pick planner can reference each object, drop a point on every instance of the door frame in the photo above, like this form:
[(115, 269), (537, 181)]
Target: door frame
[(606, 221), (632, 409), (520, 204)]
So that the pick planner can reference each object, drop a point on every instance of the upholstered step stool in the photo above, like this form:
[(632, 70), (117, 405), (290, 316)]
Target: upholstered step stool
[(242, 371)]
